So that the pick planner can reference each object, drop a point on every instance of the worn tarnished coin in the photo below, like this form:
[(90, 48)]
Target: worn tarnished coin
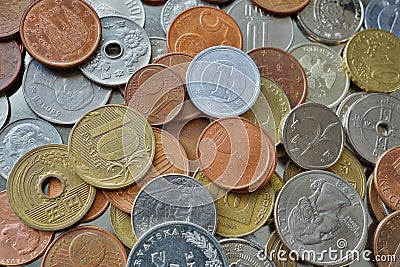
[(383, 14), (111, 146), (4, 109), (11, 13), (313, 136), (279, 7), (10, 63), (173, 197), (20, 244), (60, 33), (158, 47), (27, 198), (318, 210), (61, 96), (124, 48), (85, 246), (223, 81), (178, 62), (122, 227), (20, 136)]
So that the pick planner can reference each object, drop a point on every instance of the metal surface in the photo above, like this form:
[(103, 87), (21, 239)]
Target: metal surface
[(384, 15)]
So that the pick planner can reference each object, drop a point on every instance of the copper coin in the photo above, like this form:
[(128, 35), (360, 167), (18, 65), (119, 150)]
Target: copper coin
[(387, 178), (10, 63), (387, 241), (170, 157), (178, 62), (60, 33), (198, 28), (11, 13), (20, 244), (155, 91), (284, 69), (85, 246), (154, 2), (236, 154), (282, 7), (375, 201)]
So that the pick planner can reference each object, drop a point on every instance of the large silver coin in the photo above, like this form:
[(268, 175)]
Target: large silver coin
[(331, 22), (173, 197), (124, 48), (4, 109), (373, 125), (313, 136), (159, 47), (322, 218), (223, 81), (345, 106), (260, 28), (177, 244), (328, 83), (384, 15), (61, 96), (21, 136)]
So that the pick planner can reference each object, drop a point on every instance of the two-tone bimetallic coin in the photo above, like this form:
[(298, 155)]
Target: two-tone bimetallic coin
[(177, 244), (124, 48), (318, 210), (384, 15), (4, 109), (223, 81)]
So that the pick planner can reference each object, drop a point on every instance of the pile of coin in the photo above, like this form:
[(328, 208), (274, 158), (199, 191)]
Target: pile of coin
[(243, 138)]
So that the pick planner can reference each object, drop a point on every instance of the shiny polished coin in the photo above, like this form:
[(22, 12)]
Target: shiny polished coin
[(313, 136), (195, 29), (223, 81), (85, 246), (345, 106), (331, 22), (60, 33), (279, 7), (111, 146), (122, 227), (372, 125), (4, 109), (124, 48), (240, 214), (173, 197), (372, 60), (60, 96), (10, 62), (382, 14), (21, 136), (317, 211), (179, 244), (178, 62), (284, 69), (374, 200), (38, 209), (156, 92), (20, 244), (12, 12), (158, 47)]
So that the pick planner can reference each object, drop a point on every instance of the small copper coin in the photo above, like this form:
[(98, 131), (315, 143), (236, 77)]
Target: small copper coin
[(282, 7), (198, 28), (155, 91), (284, 69), (387, 178), (154, 2), (178, 62), (10, 63), (60, 33), (85, 246), (11, 14), (236, 154), (375, 201), (20, 244)]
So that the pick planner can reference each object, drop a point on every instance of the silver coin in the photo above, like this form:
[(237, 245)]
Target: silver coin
[(313, 136), (223, 81), (260, 28), (347, 102), (322, 218), (396, 94), (61, 96), (4, 109), (131, 9), (240, 252), (158, 47), (384, 15), (328, 82), (124, 48), (152, 24), (177, 244), (373, 125), (331, 21), (173, 8), (21, 136), (173, 197)]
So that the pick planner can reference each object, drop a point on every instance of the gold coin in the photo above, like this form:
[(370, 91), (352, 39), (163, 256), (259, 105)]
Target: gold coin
[(27, 195), (240, 214), (276, 182), (278, 251), (112, 146), (291, 170), (372, 60), (122, 227)]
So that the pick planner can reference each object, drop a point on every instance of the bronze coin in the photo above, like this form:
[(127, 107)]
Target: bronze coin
[(284, 69), (20, 244), (11, 14), (154, 2), (198, 28), (10, 63), (85, 246), (279, 7), (170, 157), (236, 154), (375, 201), (178, 62), (387, 177), (60, 33), (155, 91)]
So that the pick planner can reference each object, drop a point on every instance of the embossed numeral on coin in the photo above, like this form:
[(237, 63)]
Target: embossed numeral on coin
[(220, 26)]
